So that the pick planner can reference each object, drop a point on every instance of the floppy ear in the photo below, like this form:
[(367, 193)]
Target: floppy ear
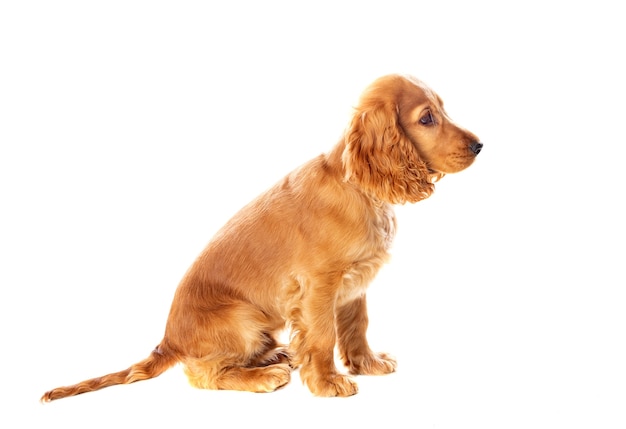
[(381, 160)]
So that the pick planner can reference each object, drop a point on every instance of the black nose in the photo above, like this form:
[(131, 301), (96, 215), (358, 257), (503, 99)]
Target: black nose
[(476, 147)]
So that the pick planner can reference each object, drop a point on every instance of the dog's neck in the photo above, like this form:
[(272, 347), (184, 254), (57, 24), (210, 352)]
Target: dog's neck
[(334, 158)]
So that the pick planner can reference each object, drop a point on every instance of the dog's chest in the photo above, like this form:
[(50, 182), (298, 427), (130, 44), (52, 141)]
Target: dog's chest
[(379, 230), (384, 225), (364, 268)]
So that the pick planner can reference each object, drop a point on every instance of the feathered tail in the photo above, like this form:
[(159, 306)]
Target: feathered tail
[(153, 366)]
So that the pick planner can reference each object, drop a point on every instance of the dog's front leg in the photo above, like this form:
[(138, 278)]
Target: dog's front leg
[(354, 350), (313, 341)]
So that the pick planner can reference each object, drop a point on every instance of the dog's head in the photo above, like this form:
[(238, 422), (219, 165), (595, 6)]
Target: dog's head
[(400, 141)]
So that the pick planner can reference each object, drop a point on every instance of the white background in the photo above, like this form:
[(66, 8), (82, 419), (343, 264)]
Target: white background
[(131, 131)]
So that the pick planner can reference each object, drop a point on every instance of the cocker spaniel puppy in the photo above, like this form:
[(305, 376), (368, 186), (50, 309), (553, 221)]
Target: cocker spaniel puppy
[(302, 254)]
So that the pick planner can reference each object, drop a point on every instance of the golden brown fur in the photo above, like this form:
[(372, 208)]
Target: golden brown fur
[(302, 254)]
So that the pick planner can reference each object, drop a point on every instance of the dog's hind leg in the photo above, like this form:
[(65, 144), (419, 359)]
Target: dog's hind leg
[(222, 375), (267, 370), (233, 347)]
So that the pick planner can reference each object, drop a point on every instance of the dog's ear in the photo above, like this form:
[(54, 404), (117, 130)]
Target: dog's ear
[(381, 160)]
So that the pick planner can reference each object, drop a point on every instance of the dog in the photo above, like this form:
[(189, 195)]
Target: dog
[(301, 255)]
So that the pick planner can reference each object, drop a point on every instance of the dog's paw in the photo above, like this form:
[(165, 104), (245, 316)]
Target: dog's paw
[(274, 377), (333, 385), (371, 364)]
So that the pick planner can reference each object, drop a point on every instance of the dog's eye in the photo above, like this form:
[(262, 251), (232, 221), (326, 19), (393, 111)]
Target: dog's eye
[(427, 119)]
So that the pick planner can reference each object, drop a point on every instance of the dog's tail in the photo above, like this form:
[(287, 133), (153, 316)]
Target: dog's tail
[(158, 362)]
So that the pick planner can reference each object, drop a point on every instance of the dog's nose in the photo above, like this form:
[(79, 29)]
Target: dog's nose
[(476, 147)]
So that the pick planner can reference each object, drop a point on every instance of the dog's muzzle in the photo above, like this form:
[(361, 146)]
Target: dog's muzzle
[(476, 147)]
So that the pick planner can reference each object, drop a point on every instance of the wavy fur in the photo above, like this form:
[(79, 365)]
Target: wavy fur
[(302, 254)]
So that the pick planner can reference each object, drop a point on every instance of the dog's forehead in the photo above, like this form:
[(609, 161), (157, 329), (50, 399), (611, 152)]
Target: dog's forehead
[(430, 95)]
